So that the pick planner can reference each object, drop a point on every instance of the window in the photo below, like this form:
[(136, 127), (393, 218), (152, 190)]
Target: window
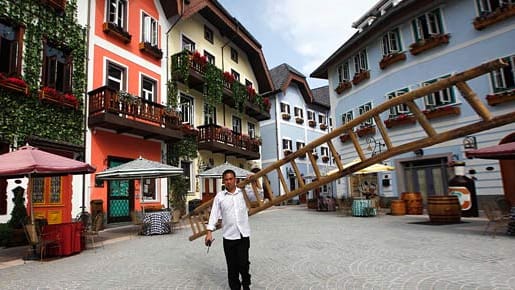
[(188, 44), (186, 166), (236, 75), (427, 25), (504, 78), (343, 72), (347, 117), (149, 189), (314, 151), (248, 83), (236, 125), (391, 42), (300, 145), (46, 190), (299, 113), (287, 144), (210, 58), (117, 13), (439, 98), (360, 61), (149, 30), (234, 54), (186, 109), (57, 69), (208, 34), (209, 114), (9, 58), (148, 89), (399, 109), (321, 119), (362, 110), (487, 6), (324, 151), (311, 115), (115, 77), (251, 130), (285, 108)]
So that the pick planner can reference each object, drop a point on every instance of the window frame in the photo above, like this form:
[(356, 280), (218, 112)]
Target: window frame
[(389, 40), (343, 71), (187, 105), (208, 34), (209, 57), (298, 112), (401, 108), (322, 118), (287, 144), (284, 106), (151, 185), (123, 78), (209, 114), (236, 125), (361, 61), (435, 100), (251, 130), (48, 189), (120, 7), (14, 51), (362, 110), (423, 25), (149, 29), (234, 54), (311, 115), (145, 93), (187, 44), (503, 79), (235, 74), (345, 117), (57, 68)]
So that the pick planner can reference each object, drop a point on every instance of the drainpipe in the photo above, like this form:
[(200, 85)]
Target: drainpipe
[(85, 125)]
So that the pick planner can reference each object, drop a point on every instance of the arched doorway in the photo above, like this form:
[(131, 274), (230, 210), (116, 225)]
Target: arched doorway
[(508, 172)]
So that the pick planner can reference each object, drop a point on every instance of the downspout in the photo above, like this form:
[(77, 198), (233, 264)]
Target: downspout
[(85, 125)]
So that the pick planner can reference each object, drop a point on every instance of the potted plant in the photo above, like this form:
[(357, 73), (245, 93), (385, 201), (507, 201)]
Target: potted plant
[(426, 44), (299, 120), (285, 116), (152, 50), (366, 129), (399, 120), (325, 159), (344, 138), (323, 126), (343, 86), (360, 76), (438, 112), (15, 84), (312, 123), (501, 97), (117, 32), (505, 11), (391, 58)]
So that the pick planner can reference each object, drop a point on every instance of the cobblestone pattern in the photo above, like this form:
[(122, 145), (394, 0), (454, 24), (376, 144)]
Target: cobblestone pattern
[(293, 248)]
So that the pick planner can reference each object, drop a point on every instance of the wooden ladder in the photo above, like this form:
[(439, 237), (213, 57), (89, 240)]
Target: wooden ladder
[(200, 215)]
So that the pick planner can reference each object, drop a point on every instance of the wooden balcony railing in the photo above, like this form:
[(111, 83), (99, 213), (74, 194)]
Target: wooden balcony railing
[(223, 140)]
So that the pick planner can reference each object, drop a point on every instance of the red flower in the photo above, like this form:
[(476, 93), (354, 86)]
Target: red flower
[(200, 59), (71, 99), (17, 81), (251, 91), (228, 77), (50, 91), (267, 103)]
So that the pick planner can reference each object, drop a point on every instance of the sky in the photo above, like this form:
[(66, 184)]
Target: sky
[(301, 33)]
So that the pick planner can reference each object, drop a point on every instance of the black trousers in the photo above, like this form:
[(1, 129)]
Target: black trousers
[(237, 258)]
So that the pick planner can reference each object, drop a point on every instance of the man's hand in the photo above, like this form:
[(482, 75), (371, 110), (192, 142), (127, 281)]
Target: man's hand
[(208, 239)]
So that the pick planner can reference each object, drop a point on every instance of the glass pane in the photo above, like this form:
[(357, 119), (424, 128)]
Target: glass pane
[(119, 188), (55, 189), (37, 190)]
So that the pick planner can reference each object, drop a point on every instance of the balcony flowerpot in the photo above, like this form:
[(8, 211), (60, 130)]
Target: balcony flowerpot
[(50, 95), (391, 59), (315, 155), (361, 76), (499, 98), (117, 32), (499, 14), (189, 130), (299, 120), (427, 44), (442, 112), (285, 116), (14, 84), (344, 138), (287, 152), (343, 86), (325, 159), (367, 130), (312, 123), (400, 120), (323, 126), (152, 50)]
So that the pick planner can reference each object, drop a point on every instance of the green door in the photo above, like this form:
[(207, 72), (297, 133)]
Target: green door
[(120, 197)]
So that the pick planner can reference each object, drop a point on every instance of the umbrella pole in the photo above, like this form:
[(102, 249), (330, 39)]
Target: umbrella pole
[(31, 200), (141, 195)]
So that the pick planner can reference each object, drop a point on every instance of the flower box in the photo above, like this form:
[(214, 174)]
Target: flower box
[(315, 155), (343, 86), (325, 159), (344, 138), (312, 123), (366, 130), (299, 120), (442, 112), (502, 97), (500, 14), (285, 116), (14, 84), (267, 104), (189, 130), (361, 76), (287, 152), (400, 120), (151, 50), (391, 59), (51, 95), (427, 44), (323, 126), (117, 32)]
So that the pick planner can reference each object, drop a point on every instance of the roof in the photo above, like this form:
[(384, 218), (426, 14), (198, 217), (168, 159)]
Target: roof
[(321, 96), (284, 74), (379, 24)]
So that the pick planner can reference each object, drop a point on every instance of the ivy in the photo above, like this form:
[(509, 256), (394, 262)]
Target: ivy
[(213, 86)]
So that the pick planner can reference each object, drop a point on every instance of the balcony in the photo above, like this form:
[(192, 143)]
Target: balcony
[(107, 109), (217, 139), (193, 72), (58, 5)]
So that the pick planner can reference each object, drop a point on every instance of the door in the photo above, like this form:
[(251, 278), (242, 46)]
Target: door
[(429, 176), (120, 196)]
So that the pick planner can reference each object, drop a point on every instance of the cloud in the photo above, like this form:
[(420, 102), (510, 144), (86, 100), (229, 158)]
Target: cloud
[(315, 29)]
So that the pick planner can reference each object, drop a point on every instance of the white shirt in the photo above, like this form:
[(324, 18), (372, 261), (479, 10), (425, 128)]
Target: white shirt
[(233, 211)]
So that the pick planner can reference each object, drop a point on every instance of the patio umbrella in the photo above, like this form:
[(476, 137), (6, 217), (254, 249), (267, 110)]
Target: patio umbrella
[(216, 172), (378, 167), (29, 162), (501, 151)]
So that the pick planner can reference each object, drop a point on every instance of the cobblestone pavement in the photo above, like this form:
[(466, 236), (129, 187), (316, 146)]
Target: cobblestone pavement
[(293, 248)]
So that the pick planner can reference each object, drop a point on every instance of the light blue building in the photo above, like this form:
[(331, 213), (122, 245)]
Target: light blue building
[(403, 45), (298, 116)]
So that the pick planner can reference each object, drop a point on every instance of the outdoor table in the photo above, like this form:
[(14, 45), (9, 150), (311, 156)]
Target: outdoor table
[(158, 223), (363, 207)]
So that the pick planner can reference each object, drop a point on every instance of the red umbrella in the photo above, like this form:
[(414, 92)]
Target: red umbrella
[(29, 161), (502, 151)]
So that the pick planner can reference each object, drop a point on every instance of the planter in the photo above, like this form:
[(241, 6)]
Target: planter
[(325, 159), (343, 86), (315, 155), (151, 50), (323, 126), (285, 116), (58, 5), (427, 44), (361, 76), (312, 123), (299, 120), (400, 121), (287, 152), (442, 112), (14, 87), (116, 31), (344, 138), (391, 59), (364, 131), (500, 98), (64, 100), (493, 17)]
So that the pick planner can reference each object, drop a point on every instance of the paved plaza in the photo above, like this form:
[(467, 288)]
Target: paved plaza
[(292, 248)]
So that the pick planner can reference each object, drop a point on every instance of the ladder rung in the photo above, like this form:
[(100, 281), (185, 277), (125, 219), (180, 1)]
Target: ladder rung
[(422, 120), (474, 101), (297, 172)]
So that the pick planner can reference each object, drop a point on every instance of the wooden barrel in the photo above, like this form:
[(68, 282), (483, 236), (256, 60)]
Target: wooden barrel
[(398, 207), (444, 209), (413, 201)]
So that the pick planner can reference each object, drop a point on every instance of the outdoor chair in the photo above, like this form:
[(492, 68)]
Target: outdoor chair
[(175, 220), (93, 231), (137, 220), (40, 242), (495, 218)]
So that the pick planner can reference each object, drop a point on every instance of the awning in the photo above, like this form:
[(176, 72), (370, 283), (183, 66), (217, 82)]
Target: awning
[(139, 168), (501, 151)]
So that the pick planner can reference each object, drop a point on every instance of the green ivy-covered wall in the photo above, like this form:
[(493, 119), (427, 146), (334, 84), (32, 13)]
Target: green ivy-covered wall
[(21, 115)]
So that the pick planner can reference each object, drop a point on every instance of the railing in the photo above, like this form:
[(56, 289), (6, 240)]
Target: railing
[(216, 133), (106, 100)]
